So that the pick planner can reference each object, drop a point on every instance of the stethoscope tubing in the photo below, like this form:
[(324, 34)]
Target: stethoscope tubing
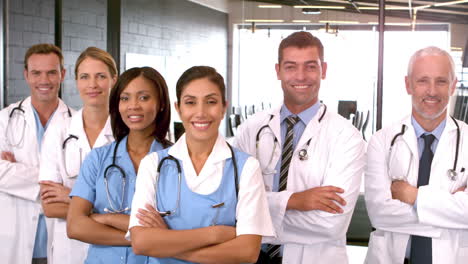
[(303, 155)]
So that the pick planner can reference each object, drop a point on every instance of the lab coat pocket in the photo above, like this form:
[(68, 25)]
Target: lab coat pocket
[(464, 239), (462, 255), (377, 252)]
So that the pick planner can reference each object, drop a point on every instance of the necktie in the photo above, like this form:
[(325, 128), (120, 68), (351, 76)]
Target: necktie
[(286, 156), (287, 152), (421, 247)]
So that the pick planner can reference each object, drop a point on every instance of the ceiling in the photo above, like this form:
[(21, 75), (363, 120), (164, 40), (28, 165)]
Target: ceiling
[(426, 10)]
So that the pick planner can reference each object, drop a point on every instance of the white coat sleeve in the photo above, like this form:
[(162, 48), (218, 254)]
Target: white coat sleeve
[(384, 212), (253, 216), (16, 179), (145, 192), (440, 208), (345, 168)]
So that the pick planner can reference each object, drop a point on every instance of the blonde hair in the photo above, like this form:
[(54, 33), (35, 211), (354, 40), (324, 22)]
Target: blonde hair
[(98, 54)]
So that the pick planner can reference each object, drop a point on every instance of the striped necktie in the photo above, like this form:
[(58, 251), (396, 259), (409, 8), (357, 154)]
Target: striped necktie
[(287, 151), (421, 247)]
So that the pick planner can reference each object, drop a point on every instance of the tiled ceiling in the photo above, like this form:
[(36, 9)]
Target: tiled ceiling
[(437, 11)]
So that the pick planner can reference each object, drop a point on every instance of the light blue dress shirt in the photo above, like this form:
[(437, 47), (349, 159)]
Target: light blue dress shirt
[(437, 132), (40, 242), (305, 117), (90, 186)]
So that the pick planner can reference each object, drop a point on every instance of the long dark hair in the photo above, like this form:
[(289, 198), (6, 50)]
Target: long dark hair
[(163, 117)]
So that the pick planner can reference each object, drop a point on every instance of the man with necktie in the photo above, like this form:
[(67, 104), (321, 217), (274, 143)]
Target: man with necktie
[(312, 161), (417, 206)]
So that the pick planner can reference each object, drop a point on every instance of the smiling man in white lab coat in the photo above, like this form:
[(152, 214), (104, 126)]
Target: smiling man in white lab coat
[(312, 161), (23, 125), (416, 192)]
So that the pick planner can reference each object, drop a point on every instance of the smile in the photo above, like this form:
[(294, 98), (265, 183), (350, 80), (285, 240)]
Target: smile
[(135, 118), (201, 125), (300, 86)]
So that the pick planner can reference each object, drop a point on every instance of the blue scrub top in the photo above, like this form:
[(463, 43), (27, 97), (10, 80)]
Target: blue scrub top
[(195, 210), (90, 186)]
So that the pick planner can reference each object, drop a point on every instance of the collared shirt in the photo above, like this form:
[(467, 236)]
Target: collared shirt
[(305, 117), (40, 242), (90, 186), (437, 132)]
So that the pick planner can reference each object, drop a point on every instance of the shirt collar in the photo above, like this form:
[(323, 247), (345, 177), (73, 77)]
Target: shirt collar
[(437, 132), (220, 150), (305, 116)]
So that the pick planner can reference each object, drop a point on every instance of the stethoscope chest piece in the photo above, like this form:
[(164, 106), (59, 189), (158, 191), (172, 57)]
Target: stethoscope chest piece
[(303, 154), (452, 174)]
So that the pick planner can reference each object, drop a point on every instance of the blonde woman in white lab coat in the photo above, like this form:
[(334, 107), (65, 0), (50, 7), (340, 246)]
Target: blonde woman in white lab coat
[(95, 74)]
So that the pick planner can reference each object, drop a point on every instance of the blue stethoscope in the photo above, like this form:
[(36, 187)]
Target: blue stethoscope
[(113, 165), (303, 155), (451, 173), (179, 175), (18, 113)]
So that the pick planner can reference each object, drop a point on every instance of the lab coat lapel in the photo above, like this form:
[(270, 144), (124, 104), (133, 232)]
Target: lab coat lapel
[(275, 124), (409, 137), (311, 129), (445, 152)]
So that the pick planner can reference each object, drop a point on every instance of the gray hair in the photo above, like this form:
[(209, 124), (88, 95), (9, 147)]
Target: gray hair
[(431, 51)]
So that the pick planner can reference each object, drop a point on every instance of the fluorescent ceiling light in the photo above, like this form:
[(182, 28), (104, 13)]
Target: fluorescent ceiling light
[(338, 22), (390, 24), (301, 21), (269, 6), (321, 7), (422, 7), (311, 11), (265, 20), (386, 8), (455, 48), (451, 3)]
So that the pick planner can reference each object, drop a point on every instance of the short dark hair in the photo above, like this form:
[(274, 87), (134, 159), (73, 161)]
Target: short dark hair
[(43, 48), (201, 72), (300, 39), (97, 54), (163, 117)]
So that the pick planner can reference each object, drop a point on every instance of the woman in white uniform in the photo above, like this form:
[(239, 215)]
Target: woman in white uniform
[(208, 203), (102, 195), (95, 74)]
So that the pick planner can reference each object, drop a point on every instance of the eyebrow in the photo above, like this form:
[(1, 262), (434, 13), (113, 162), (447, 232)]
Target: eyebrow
[(305, 62), (208, 95), (138, 92)]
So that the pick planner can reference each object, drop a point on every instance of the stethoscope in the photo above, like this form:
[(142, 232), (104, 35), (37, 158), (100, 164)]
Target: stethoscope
[(303, 155), (179, 179), (66, 159), (452, 174), (10, 134), (112, 208)]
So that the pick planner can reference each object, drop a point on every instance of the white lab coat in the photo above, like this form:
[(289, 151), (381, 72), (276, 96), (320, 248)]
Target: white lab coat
[(440, 214), (19, 188), (62, 249), (336, 157)]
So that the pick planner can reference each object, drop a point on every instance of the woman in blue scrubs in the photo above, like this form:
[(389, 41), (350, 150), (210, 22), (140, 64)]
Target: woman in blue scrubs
[(103, 193), (220, 215)]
